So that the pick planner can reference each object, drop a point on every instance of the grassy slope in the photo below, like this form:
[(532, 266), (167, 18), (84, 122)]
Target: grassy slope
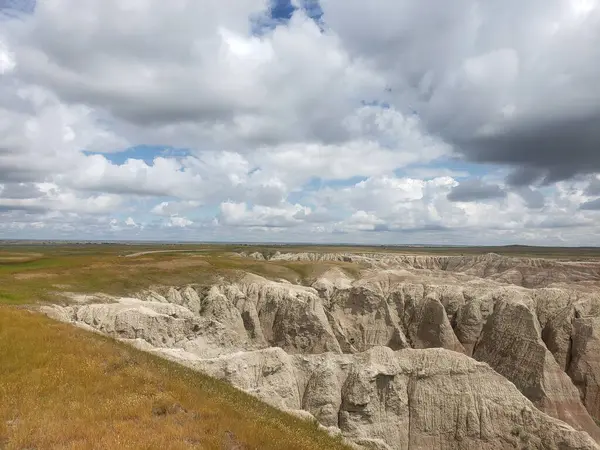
[(61, 387), (33, 274)]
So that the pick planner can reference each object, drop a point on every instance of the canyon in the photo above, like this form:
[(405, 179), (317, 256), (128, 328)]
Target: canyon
[(401, 352)]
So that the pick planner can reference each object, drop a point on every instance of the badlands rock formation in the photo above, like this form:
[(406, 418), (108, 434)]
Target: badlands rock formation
[(418, 352)]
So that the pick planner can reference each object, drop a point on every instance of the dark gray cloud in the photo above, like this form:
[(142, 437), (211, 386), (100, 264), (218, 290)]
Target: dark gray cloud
[(547, 152), (23, 207), (533, 199), (498, 83), (594, 187), (524, 176), (17, 175), (592, 205), (20, 191), (475, 190)]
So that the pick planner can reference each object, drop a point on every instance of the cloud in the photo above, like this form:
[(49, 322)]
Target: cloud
[(20, 191), (7, 60), (174, 207), (532, 198), (41, 137), (283, 216), (53, 198), (163, 66), (434, 172), (179, 222), (382, 139), (406, 205), (130, 222), (396, 202), (516, 88), (345, 121), (362, 221), (592, 205), (593, 187), (165, 176), (475, 190)]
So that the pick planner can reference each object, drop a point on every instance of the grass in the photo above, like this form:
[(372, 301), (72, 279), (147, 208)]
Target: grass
[(89, 269), (61, 387), (93, 268), (30, 274)]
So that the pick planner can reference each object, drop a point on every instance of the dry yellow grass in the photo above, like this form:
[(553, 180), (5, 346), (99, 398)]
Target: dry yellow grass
[(104, 269), (61, 387)]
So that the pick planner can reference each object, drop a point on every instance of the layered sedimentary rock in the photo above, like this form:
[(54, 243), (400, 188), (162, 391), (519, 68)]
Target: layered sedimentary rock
[(511, 343), (528, 272), (415, 352), (584, 367), (386, 399)]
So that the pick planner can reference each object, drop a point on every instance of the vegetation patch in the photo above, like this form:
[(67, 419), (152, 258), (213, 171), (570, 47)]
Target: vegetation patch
[(62, 387)]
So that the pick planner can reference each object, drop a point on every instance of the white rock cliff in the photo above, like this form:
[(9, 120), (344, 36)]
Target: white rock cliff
[(418, 352)]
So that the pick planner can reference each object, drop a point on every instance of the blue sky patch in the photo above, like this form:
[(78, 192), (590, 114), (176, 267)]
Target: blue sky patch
[(15, 7), (281, 11), (146, 153), (319, 183), (382, 105)]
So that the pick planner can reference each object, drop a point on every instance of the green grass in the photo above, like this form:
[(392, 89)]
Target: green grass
[(30, 274), (92, 268)]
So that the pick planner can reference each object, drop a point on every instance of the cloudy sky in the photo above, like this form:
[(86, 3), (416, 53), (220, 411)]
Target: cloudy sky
[(387, 121)]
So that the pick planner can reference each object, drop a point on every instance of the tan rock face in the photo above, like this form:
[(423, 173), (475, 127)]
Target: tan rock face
[(410, 399), (364, 319), (584, 368), (289, 316), (418, 352), (511, 343)]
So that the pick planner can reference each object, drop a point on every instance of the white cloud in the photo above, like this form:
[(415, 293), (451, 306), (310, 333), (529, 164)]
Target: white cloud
[(283, 216), (165, 176), (273, 131), (361, 221), (162, 68), (130, 222), (179, 222), (406, 204), (54, 198), (174, 207), (7, 59)]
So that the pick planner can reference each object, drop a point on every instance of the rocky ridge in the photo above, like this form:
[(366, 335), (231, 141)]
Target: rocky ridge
[(416, 352)]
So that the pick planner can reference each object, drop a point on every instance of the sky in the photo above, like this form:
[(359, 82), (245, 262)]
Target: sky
[(382, 122)]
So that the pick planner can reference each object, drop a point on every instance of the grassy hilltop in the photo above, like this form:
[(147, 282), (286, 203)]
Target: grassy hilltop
[(62, 387)]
